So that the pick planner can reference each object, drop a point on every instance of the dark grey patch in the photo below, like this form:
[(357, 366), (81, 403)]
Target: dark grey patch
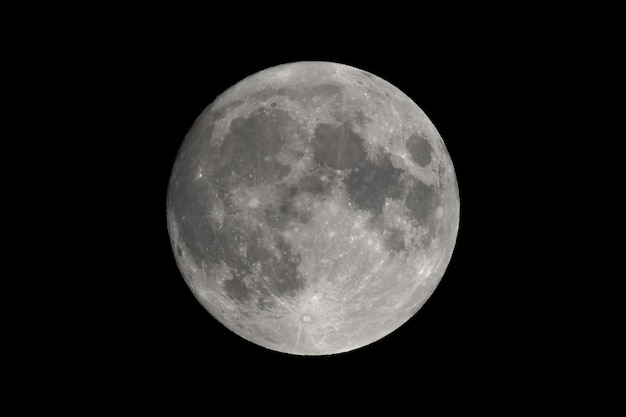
[(273, 104), (337, 147), (377, 224), (190, 205), (277, 216), (422, 201), (289, 211), (191, 154), (179, 251), (216, 245), (236, 289), (312, 184), (370, 183), (324, 90), (265, 303), (282, 272), (256, 251), (420, 150), (359, 82), (286, 208), (394, 240), (247, 155), (250, 141), (225, 248), (208, 242), (359, 118)]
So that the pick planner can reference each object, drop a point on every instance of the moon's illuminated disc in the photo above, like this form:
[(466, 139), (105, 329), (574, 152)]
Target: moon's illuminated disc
[(313, 208)]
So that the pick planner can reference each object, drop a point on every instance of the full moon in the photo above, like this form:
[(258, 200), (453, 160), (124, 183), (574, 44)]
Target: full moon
[(313, 208)]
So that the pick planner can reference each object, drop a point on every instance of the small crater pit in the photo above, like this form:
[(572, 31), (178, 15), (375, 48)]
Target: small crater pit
[(420, 150)]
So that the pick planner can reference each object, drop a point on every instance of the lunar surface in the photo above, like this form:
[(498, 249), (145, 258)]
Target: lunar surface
[(313, 208)]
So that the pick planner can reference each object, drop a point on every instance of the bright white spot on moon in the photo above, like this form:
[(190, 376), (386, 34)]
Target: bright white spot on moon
[(306, 318)]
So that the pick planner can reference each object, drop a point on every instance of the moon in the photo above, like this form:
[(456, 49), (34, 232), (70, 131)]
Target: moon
[(313, 208)]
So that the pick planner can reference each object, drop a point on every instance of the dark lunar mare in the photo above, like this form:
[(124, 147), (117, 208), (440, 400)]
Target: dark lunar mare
[(247, 153), (184, 190), (393, 240), (422, 201), (337, 147), (246, 158), (279, 275), (369, 183), (420, 150)]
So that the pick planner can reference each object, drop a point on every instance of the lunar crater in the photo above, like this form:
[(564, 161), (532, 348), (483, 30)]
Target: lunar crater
[(420, 150)]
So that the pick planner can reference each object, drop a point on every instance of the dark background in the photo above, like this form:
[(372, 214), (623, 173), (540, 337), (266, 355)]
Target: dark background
[(135, 88)]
